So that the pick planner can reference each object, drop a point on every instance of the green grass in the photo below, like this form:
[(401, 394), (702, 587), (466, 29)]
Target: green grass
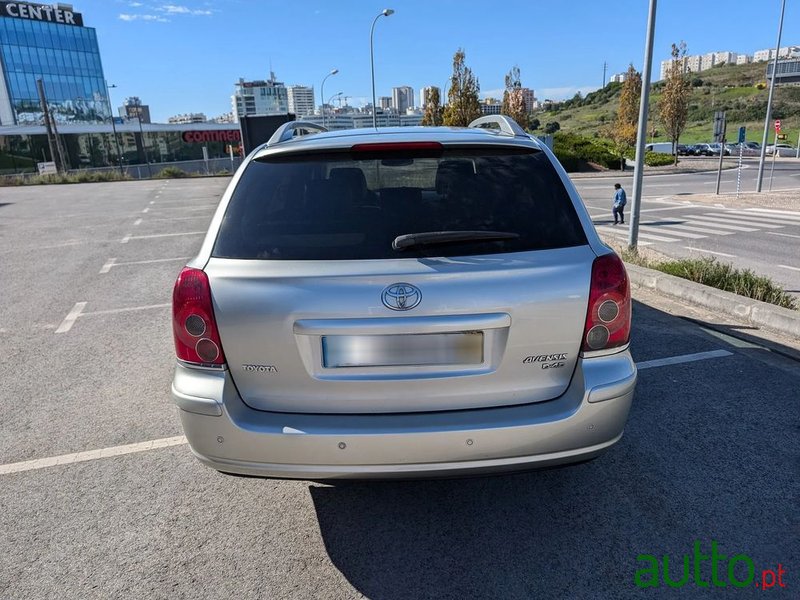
[(730, 87), (723, 276)]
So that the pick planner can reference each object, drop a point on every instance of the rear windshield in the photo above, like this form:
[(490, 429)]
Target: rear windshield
[(343, 206)]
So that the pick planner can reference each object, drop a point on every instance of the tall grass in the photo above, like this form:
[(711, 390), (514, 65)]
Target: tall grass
[(723, 276)]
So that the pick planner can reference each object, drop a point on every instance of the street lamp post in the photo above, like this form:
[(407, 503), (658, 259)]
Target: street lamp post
[(769, 102), (322, 94), (337, 95), (384, 13), (114, 128)]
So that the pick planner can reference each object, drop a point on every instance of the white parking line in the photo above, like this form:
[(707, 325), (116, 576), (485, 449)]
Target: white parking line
[(710, 252), (76, 457), (788, 267), (137, 221), (685, 358), (145, 210), (152, 201), (112, 262), (125, 239), (70, 319), (158, 235), (114, 311), (107, 267), (77, 312)]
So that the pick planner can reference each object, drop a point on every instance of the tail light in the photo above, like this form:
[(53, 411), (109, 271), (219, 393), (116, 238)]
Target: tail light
[(608, 319), (193, 324)]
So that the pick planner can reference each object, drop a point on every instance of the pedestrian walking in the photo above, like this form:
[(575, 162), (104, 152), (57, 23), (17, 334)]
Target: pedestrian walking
[(620, 200)]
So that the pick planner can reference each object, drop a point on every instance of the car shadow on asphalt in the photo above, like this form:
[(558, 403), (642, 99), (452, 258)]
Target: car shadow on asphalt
[(704, 457)]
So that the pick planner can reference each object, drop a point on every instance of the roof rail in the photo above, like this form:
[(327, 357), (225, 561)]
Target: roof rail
[(506, 124), (287, 131)]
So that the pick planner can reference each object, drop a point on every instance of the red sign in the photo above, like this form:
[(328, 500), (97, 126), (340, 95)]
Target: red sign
[(224, 135), (777, 125)]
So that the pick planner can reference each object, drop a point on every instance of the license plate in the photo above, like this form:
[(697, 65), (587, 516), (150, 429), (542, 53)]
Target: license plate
[(408, 350)]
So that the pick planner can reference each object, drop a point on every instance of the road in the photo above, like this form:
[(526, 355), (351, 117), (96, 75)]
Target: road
[(763, 239), (102, 499)]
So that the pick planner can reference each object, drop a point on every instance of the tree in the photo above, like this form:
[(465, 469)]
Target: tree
[(513, 100), (463, 106), (623, 131), (534, 124), (552, 127), (673, 106), (433, 108)]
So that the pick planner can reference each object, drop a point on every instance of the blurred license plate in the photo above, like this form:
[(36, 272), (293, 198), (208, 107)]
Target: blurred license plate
[(465, 348)]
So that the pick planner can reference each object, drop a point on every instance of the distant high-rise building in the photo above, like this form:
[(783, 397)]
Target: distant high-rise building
[(620, 77), (402, 98), (384, 102), (260, 97), (188, 118), (133, 108), (51, 43), (300, 99), (424, 92), (529, 97), (743, 59)]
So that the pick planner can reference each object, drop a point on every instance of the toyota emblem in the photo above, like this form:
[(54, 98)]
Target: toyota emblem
[(401, 296)]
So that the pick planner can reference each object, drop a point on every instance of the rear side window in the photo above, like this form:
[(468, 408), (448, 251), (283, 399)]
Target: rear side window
[(343, 206)]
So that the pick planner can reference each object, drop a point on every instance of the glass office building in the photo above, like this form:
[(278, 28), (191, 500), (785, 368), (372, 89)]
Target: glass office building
[(51, 43)]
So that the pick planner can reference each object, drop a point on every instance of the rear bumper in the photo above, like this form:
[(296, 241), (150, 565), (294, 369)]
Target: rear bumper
[(227, 435)]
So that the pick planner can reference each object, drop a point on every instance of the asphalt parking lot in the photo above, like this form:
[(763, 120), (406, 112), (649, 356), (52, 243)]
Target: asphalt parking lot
[(86, 272)]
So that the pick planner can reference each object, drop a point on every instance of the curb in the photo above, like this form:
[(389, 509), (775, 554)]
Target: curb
[(626, 173), (755, 312)]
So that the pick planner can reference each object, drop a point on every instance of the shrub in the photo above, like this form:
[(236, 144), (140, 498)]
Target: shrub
[(74, 177), (571, 149), (658, 159), (171, 173), (725, 276)]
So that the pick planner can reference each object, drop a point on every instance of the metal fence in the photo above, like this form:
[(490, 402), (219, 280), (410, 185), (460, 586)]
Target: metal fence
[(210, 167), (213, 166)]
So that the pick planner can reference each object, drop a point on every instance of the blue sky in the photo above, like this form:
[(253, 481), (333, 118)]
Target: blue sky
[(185, 55)]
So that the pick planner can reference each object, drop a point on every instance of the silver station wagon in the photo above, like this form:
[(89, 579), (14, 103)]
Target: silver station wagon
[(401, 302)]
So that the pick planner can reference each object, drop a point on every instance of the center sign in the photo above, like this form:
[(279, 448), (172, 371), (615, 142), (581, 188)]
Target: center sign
[(41, 12)]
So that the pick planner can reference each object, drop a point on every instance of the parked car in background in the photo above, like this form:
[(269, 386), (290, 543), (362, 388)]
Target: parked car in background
[(703, 150), (401, 302), (684, 150), (660, 147), (745, 150), (783, 150), (716, 148), (753, 145)]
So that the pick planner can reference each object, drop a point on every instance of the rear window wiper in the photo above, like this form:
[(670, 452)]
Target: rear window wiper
[(424, 238)]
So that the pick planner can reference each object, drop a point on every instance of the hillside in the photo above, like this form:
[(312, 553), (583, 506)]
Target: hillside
[(731, 88)]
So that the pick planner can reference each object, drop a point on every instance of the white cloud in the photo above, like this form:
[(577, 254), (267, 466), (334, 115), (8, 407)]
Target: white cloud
[(177, 9), (174, 9), (135, 4), (154, 18)]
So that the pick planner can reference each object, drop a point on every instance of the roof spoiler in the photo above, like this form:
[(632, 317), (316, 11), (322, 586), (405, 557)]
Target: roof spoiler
[(505, 124), (293, 129)]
